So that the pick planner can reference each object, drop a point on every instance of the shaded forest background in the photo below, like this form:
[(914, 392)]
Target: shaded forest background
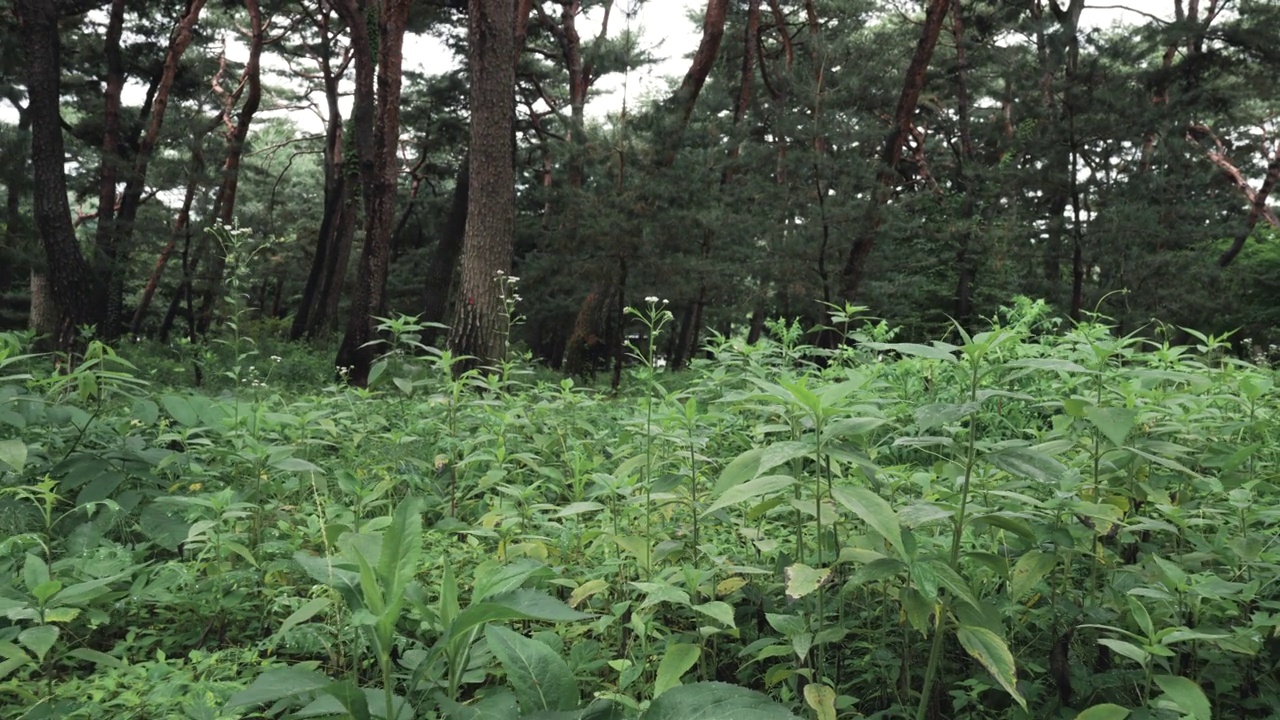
[(926, 160)]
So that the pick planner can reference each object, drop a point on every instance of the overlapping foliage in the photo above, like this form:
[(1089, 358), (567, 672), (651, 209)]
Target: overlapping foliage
[(1016, 523)]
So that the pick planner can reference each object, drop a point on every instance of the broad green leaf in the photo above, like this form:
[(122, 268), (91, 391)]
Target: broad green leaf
[(1114, 423), (1141, 616), (496, 706), (937, 351), (1186, 694), (783, 452), (39, 639), (495, 579), (1127, 649), (803, 580), (717, 610), (541, 678), (675, 663), (1105, 711), (34, 572), (939, 414), (875, 512), (96, 657), (714, 701), (1029, 570), (1028, 463), (180, 409), (308, 610), (822, 699), (293, 464), (1050, 364), (579, 508), (45, 590), (846, 427), (13, 452), (586, 590), (751, 489), (661, 592), (277, 684), (993, 654), (522, 604), (739, 470)]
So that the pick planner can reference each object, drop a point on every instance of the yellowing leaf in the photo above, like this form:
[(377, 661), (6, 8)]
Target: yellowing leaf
[(586, 590), (822, 699), (802, 579)]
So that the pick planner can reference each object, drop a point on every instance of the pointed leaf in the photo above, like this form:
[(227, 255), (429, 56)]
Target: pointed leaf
[(1030, 569), (39, 639), (277, 684), (875, 512), (541, 678), (803, 580), (988, 649), (675, 663), (717, 610), (1028, 463), (1114, 423), (1186, 694), (13, 452), (822, 699), (1105, 711), (752, 489), (714, 701)]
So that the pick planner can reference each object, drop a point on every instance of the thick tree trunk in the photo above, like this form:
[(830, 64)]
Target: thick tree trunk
[(903, 120), (76, 290), (15, 221), (379, 166), (480, 321)]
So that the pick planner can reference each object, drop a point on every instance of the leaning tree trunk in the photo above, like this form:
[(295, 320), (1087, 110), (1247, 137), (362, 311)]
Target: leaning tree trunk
[(891, 153), (480, 321), (118, 240), (439, 280), (356, 353), (75, 288)]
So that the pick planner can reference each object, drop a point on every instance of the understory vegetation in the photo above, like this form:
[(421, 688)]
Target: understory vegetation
[(1033, 521)]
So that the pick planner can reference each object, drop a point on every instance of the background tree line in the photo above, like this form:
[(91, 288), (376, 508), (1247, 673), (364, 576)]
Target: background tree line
[(928, 160)]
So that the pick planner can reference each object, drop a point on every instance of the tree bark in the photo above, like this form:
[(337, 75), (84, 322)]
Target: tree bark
[(317, 310), (76, 290), (117, 246), (439, 280), (481, 324), (891, 154), (108, 173), (379, 166), (685, 97), (225, 199)]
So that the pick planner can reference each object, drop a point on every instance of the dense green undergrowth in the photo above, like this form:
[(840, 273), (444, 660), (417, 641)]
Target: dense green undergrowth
[(1008, 525)]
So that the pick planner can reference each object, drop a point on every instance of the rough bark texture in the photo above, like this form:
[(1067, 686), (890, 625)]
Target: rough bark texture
[(891, 154), (73, 284), (480, 322), (379, 166)]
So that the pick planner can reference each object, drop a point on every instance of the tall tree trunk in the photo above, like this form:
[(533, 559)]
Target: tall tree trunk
[(379, 167), (181, 227), (108, 173), (225, 200), (439, 279), (685, 96), (903, 120), (317, 310), (480, 321), (15, 222), (75, 288), (117, 248)]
